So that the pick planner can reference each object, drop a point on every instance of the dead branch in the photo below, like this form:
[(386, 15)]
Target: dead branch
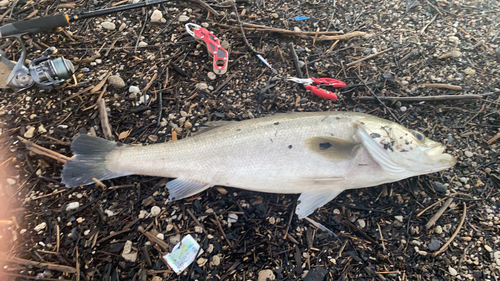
[(443, 86), (428, 98), (43, 151), (48, 265), (369, 57), (462, 220), (438, 214), (342, 36)]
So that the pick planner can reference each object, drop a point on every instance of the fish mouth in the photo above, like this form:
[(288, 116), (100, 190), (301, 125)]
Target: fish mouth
[(438, 159)]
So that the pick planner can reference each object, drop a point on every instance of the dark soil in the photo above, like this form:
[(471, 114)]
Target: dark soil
[(382, 233)]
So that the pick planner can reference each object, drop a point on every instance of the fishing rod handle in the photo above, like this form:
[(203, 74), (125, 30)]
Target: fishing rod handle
[(34, 26)]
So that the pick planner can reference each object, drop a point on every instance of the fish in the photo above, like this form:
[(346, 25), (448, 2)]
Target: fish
[(315, 154)]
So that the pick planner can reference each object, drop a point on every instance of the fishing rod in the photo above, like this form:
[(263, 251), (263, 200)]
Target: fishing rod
[(45, 71)]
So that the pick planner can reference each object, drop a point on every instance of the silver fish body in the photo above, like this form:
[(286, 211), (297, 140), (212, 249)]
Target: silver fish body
[(316, 154)]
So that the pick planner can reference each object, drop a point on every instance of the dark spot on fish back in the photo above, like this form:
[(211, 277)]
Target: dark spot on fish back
[(374, 135), (290, 146), (119, 144), (325, 145), (237, 130), (277, 123)]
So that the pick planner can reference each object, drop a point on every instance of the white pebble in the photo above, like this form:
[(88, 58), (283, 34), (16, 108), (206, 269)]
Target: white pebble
[(469, 154), (155, 210), (29, 133), (198, 229), (183, 18), (134, 89), (41, 226), (399, 218), (108, 25), (157, 16), (109, 213), (453, 272), (142, 44), (201, 261), (72, 206), (211, 75), (160, 236), (127, 248), (11, 181)]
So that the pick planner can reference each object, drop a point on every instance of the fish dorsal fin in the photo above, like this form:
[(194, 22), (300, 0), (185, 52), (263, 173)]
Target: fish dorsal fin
[(180, 188), (333, 148), (210, 125), (309, 201), (378, 153)]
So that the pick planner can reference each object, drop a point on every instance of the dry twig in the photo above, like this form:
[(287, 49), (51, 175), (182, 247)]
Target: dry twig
[(462, 220), (103, 114), (44, 151), (438, 214), (428, 98), (369, 57), (48, 265), (443, 86)]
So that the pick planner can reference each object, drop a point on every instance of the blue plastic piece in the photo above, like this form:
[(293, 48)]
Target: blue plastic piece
[(301, 18)]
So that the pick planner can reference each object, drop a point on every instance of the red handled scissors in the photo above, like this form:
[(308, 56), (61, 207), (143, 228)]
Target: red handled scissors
[(317, 91)]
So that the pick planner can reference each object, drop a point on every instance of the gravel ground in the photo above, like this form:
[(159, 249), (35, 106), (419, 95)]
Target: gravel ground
[(158, 84)]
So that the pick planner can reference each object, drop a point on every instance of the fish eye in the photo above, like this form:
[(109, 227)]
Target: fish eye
[(418, 135)]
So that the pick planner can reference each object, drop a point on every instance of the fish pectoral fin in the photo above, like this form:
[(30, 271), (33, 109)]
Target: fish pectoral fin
[(333, 148), (377, 152), (309, 201), (328, 181), (180, 188)]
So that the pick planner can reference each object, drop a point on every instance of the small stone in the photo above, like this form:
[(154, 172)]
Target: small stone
[(211, 75), (201, 261), (422, 253), (4, 3), (301, 64), (130, 257), (275, 16), (174, 239), (232, 218), (108, 25), (210, 248), (469, 154), (198, 229), (122, 27), (132, 96), (488, 248), (169, 227), (183, 18), (72, 206), (224, 44), (456, 54), (142, 44), (41, 226), (127, 248), (361, 223), (134, 89), (399, 218), (116, 82), (157, 278), (41, 129), (438, 229), (434, 245), (467, 238), (160, 236), (266, 275), (272, 220), (439, 187), (216, 260), (11, 181), (296, 29), (453, 39), (156, 16), (30, 133), (453, 272), (155, 211), (403, 108), (205, 24), (143, 214), (469, 71), (202, 86), (109, 213), (188, 125)]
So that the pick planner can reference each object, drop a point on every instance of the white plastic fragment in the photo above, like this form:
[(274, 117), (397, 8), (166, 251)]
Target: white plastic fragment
[(183, 254)]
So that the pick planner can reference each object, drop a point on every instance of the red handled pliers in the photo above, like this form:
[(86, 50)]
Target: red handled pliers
[(317, 91)]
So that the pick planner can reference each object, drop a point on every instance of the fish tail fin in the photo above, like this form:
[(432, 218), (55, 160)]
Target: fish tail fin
[(89, 161)]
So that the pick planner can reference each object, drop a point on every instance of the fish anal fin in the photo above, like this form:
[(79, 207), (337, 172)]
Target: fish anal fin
[(210, 125), (309, 201), (180, 188), (333, 148)]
